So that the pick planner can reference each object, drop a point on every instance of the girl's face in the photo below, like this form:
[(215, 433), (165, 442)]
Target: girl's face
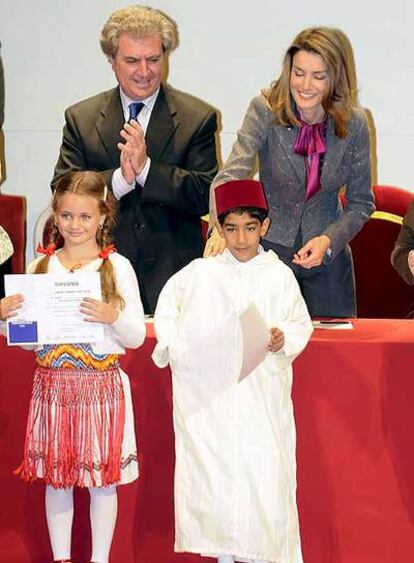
[(308, 84), (78, 219)]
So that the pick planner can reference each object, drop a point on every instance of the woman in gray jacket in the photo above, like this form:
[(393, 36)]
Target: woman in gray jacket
[(311, 140)]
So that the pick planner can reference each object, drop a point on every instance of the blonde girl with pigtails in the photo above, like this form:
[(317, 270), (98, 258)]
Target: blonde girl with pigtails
[(80, 429)]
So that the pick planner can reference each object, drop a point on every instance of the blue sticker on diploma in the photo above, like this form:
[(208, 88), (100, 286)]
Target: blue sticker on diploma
[(22, 333)]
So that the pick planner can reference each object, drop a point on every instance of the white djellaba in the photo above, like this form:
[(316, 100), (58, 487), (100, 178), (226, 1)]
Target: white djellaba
[(235, 475)]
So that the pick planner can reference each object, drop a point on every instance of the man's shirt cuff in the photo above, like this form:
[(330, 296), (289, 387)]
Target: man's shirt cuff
[(141, 178), (120, 186)]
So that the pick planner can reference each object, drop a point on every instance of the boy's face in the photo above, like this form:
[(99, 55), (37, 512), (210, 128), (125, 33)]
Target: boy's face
[(242, 235)]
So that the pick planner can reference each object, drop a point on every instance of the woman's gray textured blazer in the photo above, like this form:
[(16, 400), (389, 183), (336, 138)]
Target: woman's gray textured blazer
[(347, 163)]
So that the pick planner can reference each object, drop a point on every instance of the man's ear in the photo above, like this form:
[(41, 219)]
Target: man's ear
[(265, 227)]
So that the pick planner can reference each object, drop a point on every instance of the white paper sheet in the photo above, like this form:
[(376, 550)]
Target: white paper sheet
[(256, 337), (333, 325), (50, 313)]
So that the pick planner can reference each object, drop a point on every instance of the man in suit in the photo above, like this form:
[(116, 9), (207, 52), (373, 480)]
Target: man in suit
[(6, 247), (1, 92), (2, 174), (154, 144)]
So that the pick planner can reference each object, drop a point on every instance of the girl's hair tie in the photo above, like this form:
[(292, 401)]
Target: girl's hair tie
[(105, 252), (48, 250)]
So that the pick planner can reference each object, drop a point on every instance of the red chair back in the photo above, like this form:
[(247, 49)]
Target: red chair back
[(380, 291), (13, 221)]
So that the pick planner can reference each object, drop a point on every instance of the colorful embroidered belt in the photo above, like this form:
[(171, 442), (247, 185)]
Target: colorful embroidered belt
[(75, 356)]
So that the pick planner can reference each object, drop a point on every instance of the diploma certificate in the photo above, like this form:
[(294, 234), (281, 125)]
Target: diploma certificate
[(256, 338), (50, 313)]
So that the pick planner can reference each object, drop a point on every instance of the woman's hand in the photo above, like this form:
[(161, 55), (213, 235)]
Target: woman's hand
[(277, 340), (411, 261), (313, 252), (98, 311), (10, 305), (214, 245)]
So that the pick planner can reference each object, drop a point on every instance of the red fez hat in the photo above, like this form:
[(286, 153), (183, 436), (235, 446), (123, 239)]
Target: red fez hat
[(239, 193)]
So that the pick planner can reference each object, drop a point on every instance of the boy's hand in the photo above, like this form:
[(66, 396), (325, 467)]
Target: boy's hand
[(214, 245), (98, 311), (10, 305), (277, 340)]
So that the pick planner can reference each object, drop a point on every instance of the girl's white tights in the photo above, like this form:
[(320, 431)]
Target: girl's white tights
[(104, 509), (59, 515)]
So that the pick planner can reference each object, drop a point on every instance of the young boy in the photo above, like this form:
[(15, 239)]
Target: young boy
[(235, 486)]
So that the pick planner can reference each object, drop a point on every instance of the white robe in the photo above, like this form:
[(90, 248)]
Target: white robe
[(235, 484)]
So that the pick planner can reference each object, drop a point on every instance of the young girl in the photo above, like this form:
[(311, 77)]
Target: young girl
[(80, 429)]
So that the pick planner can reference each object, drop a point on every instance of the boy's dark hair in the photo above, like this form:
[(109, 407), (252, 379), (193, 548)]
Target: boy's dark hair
[(254, 212)]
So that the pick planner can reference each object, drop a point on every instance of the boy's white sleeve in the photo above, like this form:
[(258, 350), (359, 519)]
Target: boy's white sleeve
[(295, 323), (167, 314), (129, 329)]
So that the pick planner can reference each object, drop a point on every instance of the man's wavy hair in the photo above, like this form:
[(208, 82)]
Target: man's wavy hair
[(138, 22)]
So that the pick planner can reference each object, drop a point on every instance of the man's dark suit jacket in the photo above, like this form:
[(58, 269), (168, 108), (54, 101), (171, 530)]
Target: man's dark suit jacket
[(403, 245), (158, 226), (1, 92)]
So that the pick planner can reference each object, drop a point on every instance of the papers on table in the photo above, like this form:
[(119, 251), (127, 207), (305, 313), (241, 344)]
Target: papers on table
[(256, 337), (334, 324), (208, 364), (50, 312)]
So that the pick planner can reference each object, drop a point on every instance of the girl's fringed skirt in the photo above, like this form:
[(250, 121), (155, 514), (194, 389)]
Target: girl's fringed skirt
[(80, 429)]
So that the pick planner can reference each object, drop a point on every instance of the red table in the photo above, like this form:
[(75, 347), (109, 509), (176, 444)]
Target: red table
[(353, 396)]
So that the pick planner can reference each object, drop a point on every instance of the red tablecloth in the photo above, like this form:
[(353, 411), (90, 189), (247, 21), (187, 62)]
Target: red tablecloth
[(353, 393)]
